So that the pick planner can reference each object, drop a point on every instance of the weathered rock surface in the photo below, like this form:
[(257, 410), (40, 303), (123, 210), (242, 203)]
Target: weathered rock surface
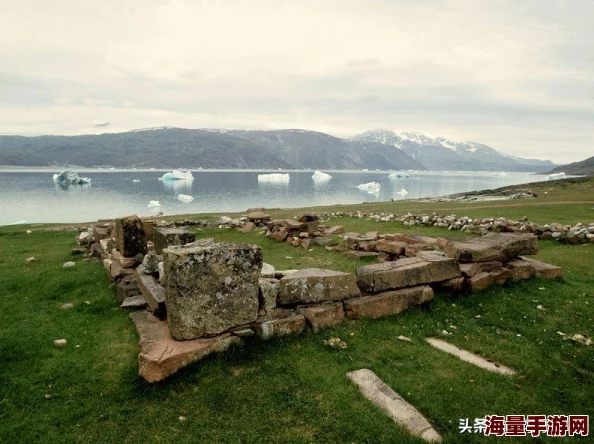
[(492, 247), (268, 293), (317, 285), (134, 302), (165, 237), (150, 263), (161, 355), (279, 323), (130, 237), (153, 292), (426, 268), (267, 270), (211, 289), (324, 316), (387, 303), (544, 270)]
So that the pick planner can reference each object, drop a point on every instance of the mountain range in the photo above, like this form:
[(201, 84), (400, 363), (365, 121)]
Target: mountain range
[(169, 147), (585, 167)]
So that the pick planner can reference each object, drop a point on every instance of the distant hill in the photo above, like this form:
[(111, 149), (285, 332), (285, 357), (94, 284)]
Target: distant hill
[(585, 168), (168, 147), (443, 154), (193, 148)]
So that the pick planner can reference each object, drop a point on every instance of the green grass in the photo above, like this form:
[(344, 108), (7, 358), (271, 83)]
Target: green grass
[(289, 389)]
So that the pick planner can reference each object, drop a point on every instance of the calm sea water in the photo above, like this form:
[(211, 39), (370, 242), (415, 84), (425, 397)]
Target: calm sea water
[(32, 197)]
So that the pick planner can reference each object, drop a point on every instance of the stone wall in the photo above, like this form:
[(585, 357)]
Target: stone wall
[(201, 297)]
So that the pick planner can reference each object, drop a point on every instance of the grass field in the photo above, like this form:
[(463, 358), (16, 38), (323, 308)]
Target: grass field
[(291, 389)]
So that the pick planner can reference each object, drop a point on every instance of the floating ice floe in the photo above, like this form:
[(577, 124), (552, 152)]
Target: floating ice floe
[(67, 177), (556, 176), (398, 174), (135, 180), (274, 178), (319, 176), (178, 175), (371, 187), (153, 204), (184, 198), (402, 192)]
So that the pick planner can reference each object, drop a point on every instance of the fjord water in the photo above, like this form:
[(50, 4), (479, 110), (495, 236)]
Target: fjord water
[(32, 197)]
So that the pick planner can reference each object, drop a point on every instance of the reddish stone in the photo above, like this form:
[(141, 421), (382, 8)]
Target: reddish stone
[(387, 303)]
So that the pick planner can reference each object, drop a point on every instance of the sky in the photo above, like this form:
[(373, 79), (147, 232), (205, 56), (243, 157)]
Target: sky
[(515, 75)]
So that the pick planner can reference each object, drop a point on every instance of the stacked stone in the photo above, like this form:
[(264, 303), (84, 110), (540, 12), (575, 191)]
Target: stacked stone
[(579, 233), (497, 258), (386, 247), (304, 232)]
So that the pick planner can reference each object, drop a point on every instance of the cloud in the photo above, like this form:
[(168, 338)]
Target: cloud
[(102, 124), (515, 75)]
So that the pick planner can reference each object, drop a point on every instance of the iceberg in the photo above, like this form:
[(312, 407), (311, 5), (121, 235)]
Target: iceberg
[(556, 176), (398, 174), (135, 180), (402, 192), (371, 187), (153, 204), (68, 177), (274, 178), (319, 176), (178, 175), (184, 198)]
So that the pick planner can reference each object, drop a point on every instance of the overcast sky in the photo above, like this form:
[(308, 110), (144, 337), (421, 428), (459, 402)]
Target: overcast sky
[(515, 75)]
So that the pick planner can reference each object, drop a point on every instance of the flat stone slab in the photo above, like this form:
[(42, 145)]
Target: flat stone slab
[(387, 303), (152, 291), (160, 355), (134, 302), (279, 323), (404, 414), (470, 357), (316, 285), (426, 268), (544, 270), (500, 247), (324, 316), (165, 237)]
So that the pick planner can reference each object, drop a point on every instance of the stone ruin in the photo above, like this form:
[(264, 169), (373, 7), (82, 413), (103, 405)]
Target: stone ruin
[(202, 297)]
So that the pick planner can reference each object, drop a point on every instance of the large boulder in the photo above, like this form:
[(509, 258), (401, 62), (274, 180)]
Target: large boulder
[(130, 238), (316, 285), (165, 237), (426, 268), (492, 247), (210, 289)]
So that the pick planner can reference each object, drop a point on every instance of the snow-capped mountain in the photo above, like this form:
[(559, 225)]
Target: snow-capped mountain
[(443, 154)]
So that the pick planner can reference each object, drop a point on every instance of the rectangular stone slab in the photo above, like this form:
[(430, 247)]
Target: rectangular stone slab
[(161, 355), (153, 292), (316, 285), (380, 394), (324, 316), (279, 325), (387, 303), (500, 247), (211, 289), (407, 272), (165, 237), (544, 270)]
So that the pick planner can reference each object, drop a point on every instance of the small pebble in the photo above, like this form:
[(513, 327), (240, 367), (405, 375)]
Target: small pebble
[(60, 342), (404, 339), (67, 305), (182, 418), (68, 264)]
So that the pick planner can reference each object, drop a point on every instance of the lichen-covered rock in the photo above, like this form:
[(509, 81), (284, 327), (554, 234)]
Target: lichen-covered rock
[(165, 237), (492, 247), (150, 263), (387, 303), (130, 238), (268, 293), (324, 316), (316, 285), (424, 269), (210, 289), (279, 323)]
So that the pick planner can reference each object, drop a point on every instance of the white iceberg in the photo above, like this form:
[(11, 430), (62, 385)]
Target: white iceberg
[(319, 176), (556, 176), (371, 187), (67, 177), (398, 174), (178, 175), (274, 178), (402, 192), (135, 180), (184, 198), (153, 204)]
